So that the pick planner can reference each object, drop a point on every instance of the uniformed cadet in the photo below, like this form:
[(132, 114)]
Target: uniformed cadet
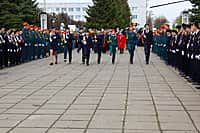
[(148, 41), (113, 45), (99, 45), (172, 48), (20, 44), (132, 41), (86, 46), (80, 36), (195, 56), (169, 47), (68, 45), (2, 43)]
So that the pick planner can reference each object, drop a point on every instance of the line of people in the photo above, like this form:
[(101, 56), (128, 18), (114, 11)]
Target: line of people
[(100, 42), (30, 43), (181, 49), (11, 43)]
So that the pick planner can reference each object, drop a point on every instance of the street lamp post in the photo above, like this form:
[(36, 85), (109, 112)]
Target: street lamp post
[(185, 17)]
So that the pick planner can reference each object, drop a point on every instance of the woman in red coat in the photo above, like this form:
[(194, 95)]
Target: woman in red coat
[(121, 40)]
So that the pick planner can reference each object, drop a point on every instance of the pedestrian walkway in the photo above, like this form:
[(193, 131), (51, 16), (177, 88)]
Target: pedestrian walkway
[(106, 98)]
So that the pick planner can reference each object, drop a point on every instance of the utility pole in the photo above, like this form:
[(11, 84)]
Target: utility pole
[(45, 6)]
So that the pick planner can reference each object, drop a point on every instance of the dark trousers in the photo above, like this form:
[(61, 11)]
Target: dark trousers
[(5, 52), (113, 57), (65, 52), (1, 58), (87, 58), (131, 52), (99, 57), (70, 54), (121, 50), (147, 49)]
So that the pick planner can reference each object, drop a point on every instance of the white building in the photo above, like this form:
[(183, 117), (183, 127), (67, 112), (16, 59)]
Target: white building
[(76, 9), (138, 10)]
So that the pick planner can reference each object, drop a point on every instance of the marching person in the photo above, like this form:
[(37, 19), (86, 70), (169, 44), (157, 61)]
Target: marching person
[(121, 40), (85, 45), (68, 45), (54, 40), (113, 45), (148, 41), (99, 46), (131, 42)]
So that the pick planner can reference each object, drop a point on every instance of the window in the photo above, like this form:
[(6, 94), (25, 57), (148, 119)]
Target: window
[(78, 17), (134, 8), (78, 9), (84, 9), (71, 17), (64, 9), (135, 16), (57, 9), (71, 9)]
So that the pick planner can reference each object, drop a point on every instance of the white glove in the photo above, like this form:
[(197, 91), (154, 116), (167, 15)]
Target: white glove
[(182, 52), (192, 56)]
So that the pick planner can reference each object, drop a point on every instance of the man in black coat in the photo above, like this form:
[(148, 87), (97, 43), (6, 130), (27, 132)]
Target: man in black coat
[(148, 41), (85, 45), (68, 45)]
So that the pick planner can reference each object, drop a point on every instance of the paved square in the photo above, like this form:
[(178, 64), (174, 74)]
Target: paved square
[(105, 98)]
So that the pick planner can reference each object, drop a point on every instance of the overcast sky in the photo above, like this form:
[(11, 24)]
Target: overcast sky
[(170, 11)]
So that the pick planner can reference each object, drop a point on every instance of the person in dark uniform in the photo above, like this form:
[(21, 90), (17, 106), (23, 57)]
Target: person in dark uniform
[(20, 44), (86, 45), (2, 43), (173, 48), (148, 41), (132, 41), (196, 53), (186, 50), (5, 49), (169, 47), (68, 45), (99, 46), (80, 44), (54, 40)]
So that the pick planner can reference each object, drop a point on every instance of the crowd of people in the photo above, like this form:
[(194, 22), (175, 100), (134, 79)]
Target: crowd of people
[(101, 41), (30, 43), (180, 48)]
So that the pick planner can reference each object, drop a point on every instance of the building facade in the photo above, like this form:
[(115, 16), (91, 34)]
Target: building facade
[(138, 10), (76, 9)]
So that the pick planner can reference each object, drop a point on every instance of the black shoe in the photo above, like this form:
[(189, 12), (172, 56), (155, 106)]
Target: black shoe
[(65, 60), (51, 64), (56, 62), (88, 64)]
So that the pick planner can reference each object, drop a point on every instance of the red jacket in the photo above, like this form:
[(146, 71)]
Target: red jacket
[(121, 40)]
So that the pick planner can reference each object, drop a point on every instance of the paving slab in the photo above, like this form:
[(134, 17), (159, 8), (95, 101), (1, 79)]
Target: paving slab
[(104, 98)]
